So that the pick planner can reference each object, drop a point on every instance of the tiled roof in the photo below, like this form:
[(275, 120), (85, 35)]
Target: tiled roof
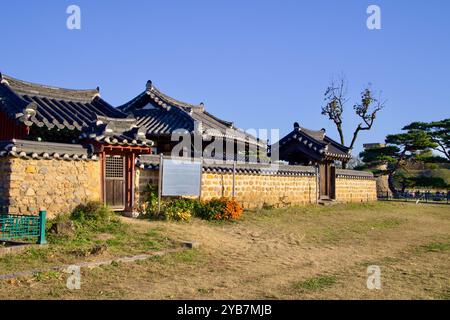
[(167, 114), (315, 144), (160, 122), (117, 132), (57, 108)]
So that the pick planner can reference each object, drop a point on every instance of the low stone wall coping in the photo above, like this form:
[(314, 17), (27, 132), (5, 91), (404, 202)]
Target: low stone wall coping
[(353, 174), (46, 150), (151, 162)]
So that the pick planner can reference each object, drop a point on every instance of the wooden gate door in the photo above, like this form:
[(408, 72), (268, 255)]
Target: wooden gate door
[(115, 182), (333, 182), (325, 180)]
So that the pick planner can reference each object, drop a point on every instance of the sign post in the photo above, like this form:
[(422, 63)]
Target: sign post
[(161, 160), (42, 220), (201, 177)]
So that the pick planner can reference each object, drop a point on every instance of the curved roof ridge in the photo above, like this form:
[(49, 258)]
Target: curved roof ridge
[(129, 105), (335, 143), (152, 89), (227, 123), (314, 133), (200, 107), (35, 89)]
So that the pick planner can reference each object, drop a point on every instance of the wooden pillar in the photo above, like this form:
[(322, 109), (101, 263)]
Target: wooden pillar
[(133, 177), (102, 156), (333, 182), (129, 203)]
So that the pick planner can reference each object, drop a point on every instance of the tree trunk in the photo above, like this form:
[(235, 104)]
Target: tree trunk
[(341, 136), (355, 135), (341, 133), (391, 183)]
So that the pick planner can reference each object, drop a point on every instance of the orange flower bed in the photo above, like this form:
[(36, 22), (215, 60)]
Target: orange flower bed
[(233, 209)]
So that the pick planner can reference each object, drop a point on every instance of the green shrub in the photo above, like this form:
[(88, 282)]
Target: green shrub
[(174, 213), (60, 218), (182, 209), (210, 210), (186, 204), (175, 210), (92, 211), (151, 198), (87, 220)]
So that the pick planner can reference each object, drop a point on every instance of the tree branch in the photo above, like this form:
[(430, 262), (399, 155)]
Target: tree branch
[(443, 150), (363, 111), (335, 99)]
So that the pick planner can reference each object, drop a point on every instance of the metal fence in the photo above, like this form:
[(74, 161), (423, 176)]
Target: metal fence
[(15, 227), (417, 196)]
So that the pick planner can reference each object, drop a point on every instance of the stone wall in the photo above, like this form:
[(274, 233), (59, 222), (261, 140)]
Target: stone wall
[(351, 189), (256, 190), (55, 185), (142, 179), (255, 184)]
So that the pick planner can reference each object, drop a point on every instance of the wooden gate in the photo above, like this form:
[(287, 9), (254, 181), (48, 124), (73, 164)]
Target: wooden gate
[(115, 182), (327, 182)]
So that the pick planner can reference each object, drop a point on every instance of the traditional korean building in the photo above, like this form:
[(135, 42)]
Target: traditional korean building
[(309, 147), (162, 115), (42, 125), (60, 148)]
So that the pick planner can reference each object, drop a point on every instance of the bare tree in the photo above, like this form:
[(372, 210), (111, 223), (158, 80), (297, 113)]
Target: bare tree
[(367, 109), (335, 99)]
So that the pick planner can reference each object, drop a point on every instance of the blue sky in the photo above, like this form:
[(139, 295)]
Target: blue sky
[(261, 64)]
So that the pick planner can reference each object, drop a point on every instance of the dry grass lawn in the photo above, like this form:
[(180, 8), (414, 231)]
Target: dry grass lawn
[(297, 253)]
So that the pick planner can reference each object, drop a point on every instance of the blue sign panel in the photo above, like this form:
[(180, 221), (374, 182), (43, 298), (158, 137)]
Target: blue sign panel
[(181, 178)]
